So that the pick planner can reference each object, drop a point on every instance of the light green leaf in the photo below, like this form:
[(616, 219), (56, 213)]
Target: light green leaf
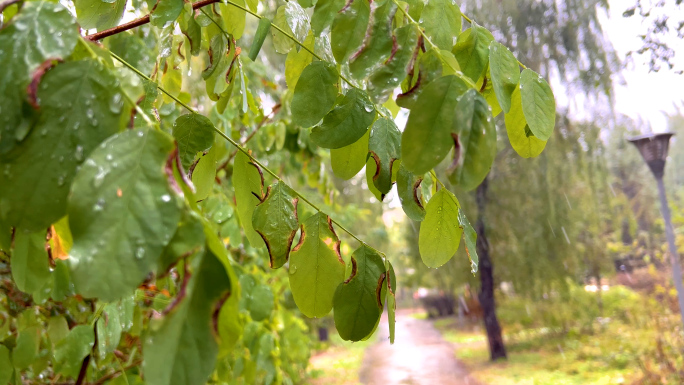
[(324, 14), (391, 304), (30, 269), (182, 348), (474, 136), (349, 160), (489, 94), (441, 20), (26, 349), (347, 122), (408, 189), (165, 12), (538, 104), (427, 137), (349, 29), (234, 18), (108, 330), (440, 232), (505, 72), (98, 13), (204, 174), (316, 266), (357, 301), (315, 94), (387, 77), (472, 51), (6, 368), (521, 137), (385, 148), (470, 237), (70, 352), (80, 107), (248, 182), (57, 329), (122, 214), (292, 19), (377, 43), (275, 219), (371, 170), (194, 133), (297, 61), (259, 36), (415, 8), (26, 42)]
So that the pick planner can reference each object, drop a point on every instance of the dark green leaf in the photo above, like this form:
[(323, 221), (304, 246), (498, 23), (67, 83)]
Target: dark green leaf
[(377, 43), (70, 352), (442, 22), (80, 107), (440, 232), (315, 93), (472, 51), (393, 71), (316, 266), (122, 214), (30, 269), (427, 137), (349, 160), (505, 74), (538, 104), (248, 182), (521, 137), (98, 13), (357, 301), (408, 189), (259, 37), (165, 12), (474, 136), (275, 219), (324, 14), (194, 133), (385, 148), (347, 122), (188, 240), (349, 29)]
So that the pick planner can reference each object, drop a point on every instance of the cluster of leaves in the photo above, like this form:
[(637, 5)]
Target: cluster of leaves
[(143, 270)]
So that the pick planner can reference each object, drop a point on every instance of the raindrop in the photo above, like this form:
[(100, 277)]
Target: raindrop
[(166, 198), (115, 104), (99, 205), (99, 177), (89, 112), (141, 133), (109, 157), (139, 253), (368, 108), (79, 153)]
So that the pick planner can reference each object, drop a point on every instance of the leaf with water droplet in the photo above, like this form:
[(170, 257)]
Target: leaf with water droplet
[(99, 14), (324, 14), (440, 232), (204, 174), (472, 51), (166, 12), (108, 330), (275, 219), (194, 133), (349, 29), (377, 43), (505, 73), (316, 266), (30, 269), (292, 19), (75, 90), (538, 104), (71, 350), (106, 260), (389, 76), (441, 20), (347, 122)]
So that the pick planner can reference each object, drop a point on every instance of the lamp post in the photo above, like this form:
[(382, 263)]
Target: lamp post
[(653, 148)]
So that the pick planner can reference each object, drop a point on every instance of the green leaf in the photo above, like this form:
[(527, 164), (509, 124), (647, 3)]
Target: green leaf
[(194, 133), (347, 122), (441, 20), (315, 93), (503, 67), (234, 18), (257, 298), (391, 302), (188, 239), (538, 104), (108, 330), (440, 233), (324, 14), (349, 29), (357, 301), (259, 36), (297, 61), (371, 170), (6, 368), (275, 219), (80, 106), (385, 148), (26, 41), (26, 349), (430, 68), (378, 42), (166, 12), (349, 160), (474, 136), (316, 266), (98, 13), (408, 189), (122, 214), (204, 174), (392, 72), (30, 268), (472, 51), (489, 94), (292, 19), (521, 137), (248, 182), (427, 137), (182, 347), (191, 29), (70, 352), (57, 329), (415, 8), (133, 50), (470, 237)]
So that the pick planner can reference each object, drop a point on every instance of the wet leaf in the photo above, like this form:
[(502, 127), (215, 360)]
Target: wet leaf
[(347, 122), (521, 137), (70, 352), (441, 20), (474, 137), (99, 14), (194, 133), (166, 11), (349, 160), (430, 68), (133, 50), (357, 302), (315, 93), (204, 174), (489, 94), (259, 36), (427, 137), (248, 182), (385, 148), (377, 43), (122, 214), (292, 19), (108, 330), (297, 61), (349, 29), (80, 107), (30, 269), (472, 51), (316, 266), (440, 232), (505, 74), (538, 104), (234, 18), (324, 14), (188, 240), (275, 219), (392, 72), (408, 189)]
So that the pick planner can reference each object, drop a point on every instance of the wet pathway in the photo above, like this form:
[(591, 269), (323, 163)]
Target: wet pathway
[(419, 356)]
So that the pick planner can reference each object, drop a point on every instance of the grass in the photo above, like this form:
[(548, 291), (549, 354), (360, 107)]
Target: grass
[(542, 357), (338, 363)]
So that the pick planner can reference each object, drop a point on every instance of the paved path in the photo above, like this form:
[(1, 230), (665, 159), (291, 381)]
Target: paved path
[(419, 356)]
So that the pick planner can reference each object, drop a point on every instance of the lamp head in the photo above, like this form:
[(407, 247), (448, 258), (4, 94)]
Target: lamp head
[(653, 148)]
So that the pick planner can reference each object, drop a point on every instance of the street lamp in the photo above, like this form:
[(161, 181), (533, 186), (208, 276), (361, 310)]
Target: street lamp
[(653, 148)]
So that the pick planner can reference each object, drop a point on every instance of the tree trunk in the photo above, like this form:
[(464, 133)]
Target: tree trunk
[(497, 349)]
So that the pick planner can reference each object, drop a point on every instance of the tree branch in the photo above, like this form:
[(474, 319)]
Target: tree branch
[(138, 22)]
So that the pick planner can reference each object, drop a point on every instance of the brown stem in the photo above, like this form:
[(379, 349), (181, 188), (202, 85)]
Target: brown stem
[(138, 22), (84, 369)]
